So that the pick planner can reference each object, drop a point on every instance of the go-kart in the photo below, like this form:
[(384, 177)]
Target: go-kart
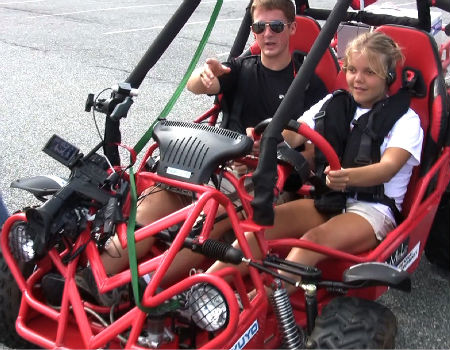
[(334, 305)]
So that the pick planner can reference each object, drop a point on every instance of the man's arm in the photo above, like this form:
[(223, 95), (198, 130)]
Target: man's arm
[(204, 80)]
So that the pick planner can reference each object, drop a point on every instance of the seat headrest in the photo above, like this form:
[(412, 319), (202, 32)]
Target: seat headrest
[(421, 54)]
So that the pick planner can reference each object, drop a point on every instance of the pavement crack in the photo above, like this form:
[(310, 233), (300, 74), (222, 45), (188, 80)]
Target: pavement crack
[(113, 68), (210, 42), (34, 12), (23, 46)]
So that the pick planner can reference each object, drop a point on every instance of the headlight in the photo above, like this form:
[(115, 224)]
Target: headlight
[(21, 241), (208, 307)]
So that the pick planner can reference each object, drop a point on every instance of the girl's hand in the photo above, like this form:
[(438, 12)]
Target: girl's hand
[(337, 179)]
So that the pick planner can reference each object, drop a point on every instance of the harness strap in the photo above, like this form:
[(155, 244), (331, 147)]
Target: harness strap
[(243, 81), (319, 126), (365, 154), (238, 101)]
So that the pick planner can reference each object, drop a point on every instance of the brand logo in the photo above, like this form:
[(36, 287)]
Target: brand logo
[(179, 172), (398, 254), (246, 337), (410, 258)]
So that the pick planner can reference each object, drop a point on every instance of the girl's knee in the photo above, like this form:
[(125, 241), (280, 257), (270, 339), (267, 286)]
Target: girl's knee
[(315, 235)]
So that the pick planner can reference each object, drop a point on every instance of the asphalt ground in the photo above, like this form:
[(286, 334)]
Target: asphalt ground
[(53, 53)]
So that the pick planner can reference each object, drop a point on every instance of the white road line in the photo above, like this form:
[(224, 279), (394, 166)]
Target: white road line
[(110, 8), (160, 27), (101, 9), (19, 2)]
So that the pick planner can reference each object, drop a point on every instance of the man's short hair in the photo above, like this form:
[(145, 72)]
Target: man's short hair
[(287, 6)]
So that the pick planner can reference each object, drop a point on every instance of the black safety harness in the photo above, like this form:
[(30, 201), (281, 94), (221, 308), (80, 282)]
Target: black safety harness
[(234, 108), (361, 145)]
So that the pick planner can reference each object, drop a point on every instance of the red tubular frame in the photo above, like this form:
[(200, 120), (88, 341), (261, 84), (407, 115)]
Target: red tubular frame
[(54, 337), (58, 323), (72, 326)]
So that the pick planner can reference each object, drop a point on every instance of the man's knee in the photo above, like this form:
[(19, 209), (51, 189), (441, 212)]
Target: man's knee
[(157, 204)]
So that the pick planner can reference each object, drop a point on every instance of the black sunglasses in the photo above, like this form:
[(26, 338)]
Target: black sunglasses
[(275, 26)]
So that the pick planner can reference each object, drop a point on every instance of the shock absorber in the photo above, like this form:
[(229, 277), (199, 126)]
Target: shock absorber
[(293, 336)]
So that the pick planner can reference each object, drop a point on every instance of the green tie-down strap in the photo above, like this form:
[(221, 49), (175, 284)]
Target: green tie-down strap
[(141, 144)]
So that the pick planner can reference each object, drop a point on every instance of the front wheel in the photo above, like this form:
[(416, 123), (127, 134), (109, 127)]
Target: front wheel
[(353, 323), (10, 297)]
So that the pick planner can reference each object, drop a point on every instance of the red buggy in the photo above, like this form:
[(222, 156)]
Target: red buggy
[(335, 305)]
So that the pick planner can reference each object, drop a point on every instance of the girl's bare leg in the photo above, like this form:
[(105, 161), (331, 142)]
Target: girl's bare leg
[(292, 220), (347, 232)]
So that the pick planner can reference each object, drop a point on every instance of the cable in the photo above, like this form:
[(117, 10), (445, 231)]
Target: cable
[(97, 316), (93, 113), (115, 246), (157, 188)]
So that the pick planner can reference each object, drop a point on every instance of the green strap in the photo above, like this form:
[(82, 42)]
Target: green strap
[(201, 46), (132, 245), (141, 144)]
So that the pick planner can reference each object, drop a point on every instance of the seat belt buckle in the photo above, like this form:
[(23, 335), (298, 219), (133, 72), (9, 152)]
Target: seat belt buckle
[(319, 115)]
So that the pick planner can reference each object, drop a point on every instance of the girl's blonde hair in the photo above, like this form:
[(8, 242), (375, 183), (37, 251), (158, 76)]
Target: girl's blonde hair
[(382, 52), (287, 6)]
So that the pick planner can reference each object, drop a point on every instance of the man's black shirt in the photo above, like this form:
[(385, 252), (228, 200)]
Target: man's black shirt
[(262, 91)]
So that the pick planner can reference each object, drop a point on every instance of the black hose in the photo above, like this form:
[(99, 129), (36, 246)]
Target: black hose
[(447, 29), (373, 19), (221, 251)]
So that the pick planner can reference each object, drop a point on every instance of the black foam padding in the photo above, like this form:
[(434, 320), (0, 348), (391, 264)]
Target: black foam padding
[(191, 152)]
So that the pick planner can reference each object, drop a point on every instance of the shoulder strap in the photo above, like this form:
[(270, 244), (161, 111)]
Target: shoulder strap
[(370, 129), (394, 108), (332, 122), (298, 57), (238, 101)]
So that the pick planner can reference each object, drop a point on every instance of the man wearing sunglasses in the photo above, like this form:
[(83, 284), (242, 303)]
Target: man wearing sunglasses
[(254, 86)]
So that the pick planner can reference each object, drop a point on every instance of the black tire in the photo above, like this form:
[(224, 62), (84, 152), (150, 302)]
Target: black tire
[(10, 297), (353, 323), (437, 249)]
